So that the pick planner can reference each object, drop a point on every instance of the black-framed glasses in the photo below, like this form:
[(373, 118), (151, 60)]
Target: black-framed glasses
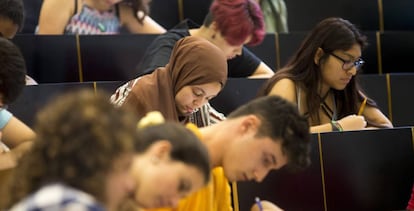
[(349, 64)]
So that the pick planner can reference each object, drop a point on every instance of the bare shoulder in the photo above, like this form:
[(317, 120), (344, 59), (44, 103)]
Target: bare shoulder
[(285, 82), (54, 16), (58, 5), (284, 88)]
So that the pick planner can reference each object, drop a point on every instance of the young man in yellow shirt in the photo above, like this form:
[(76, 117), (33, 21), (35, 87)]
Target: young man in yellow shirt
[(264, 134)]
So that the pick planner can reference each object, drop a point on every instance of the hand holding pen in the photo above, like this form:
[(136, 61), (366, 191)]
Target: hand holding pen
[(361, 109), (258, 203), (263, 205)]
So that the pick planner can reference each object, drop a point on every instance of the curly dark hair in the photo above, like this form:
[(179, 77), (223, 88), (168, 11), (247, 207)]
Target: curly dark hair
[(12, 71), (79, 136), (280, 120)]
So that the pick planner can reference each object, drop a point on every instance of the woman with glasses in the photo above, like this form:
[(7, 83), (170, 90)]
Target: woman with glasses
[(321, 79)]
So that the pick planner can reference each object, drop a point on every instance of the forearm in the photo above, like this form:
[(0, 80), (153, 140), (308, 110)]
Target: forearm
[(261, 76), (376, 119), (379, 123), (9, 159), (262, 71), (321, 128)]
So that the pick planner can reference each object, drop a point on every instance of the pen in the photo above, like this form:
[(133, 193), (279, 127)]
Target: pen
[(361, 109), (259, 203)]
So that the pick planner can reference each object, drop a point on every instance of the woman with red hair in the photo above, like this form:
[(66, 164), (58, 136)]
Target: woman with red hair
[(230, 24)]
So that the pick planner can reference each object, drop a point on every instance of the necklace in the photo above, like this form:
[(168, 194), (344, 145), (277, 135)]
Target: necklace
[(322, 99), (101, 27), (331, 113)]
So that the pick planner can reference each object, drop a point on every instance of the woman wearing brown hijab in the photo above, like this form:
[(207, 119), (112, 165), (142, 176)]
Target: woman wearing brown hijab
[(196, 73)]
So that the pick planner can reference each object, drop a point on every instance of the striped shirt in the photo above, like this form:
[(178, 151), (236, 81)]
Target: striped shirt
[(57, 197), (91, 21)]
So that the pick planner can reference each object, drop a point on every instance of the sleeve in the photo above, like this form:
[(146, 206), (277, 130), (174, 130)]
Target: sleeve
[(222, 190), (215, 116), (205, 116), (125, 96), (5, 117), (244, 65), (121, 93)]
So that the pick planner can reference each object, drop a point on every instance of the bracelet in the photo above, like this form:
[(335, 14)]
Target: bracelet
[(336, 126)]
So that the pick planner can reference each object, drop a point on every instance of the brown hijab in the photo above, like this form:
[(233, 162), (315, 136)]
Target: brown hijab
[(193, 61)]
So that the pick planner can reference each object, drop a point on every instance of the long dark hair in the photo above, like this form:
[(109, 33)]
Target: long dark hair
[(330, 34)]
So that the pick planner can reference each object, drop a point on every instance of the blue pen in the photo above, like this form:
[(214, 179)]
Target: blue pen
[(259, 203)]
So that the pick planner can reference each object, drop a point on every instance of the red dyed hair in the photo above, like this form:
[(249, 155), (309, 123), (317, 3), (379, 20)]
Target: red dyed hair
[(238, 19)]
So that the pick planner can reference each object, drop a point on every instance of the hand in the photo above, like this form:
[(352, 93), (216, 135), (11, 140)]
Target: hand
[(7, 161), (267, 206), (353, 122), (3, 147)]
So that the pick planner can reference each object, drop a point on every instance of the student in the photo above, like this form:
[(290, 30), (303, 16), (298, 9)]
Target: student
[(96, 17), (230, 24), (11, 22), (11, 18), (322, 80), (273, 135), (196, 72), (168, 149), (79, 154), (15, 135), (79, 160)]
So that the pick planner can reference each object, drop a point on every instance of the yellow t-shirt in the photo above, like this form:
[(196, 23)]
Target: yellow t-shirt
[(214, 197)]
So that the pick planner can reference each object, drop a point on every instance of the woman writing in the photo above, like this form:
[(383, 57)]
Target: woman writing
[(196, 73), (322, 80)]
